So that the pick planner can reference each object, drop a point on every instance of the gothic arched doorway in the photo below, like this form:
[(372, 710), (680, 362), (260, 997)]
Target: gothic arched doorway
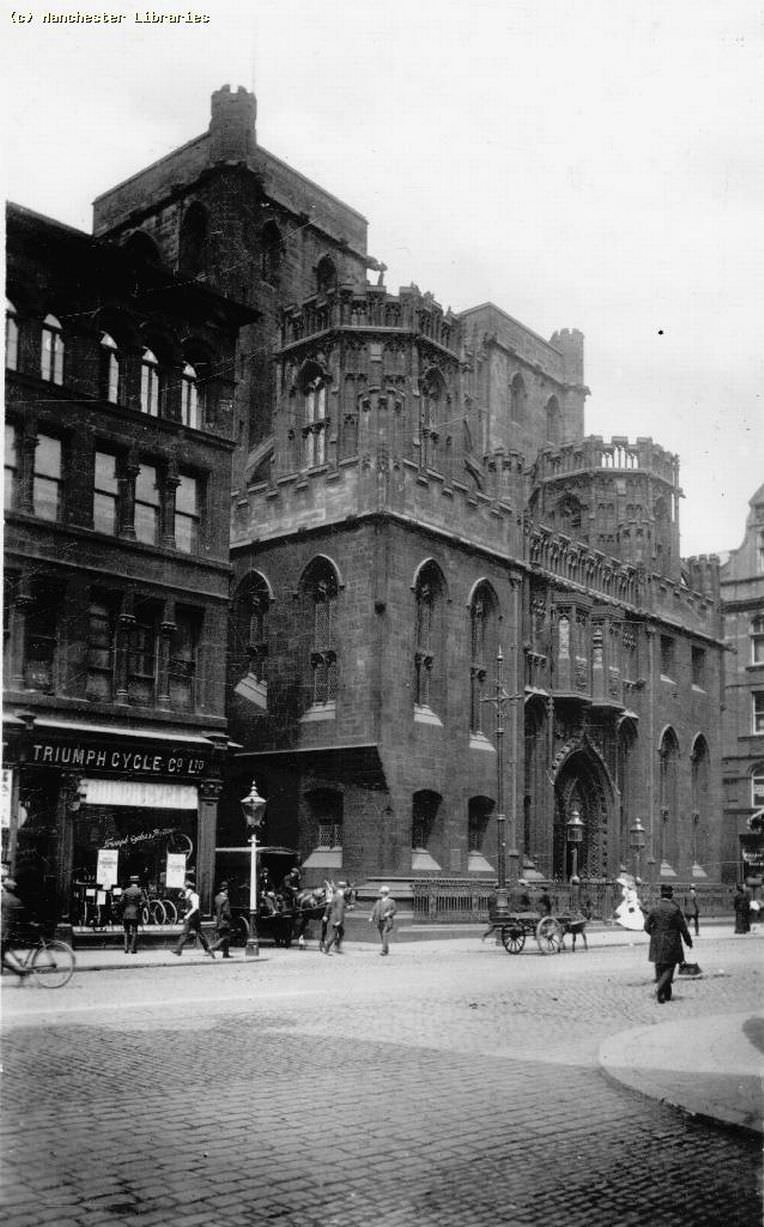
[(582, 783)]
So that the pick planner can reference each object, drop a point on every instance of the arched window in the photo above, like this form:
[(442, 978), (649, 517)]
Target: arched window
[(315, 422), (192, 254), (151, 383), (11, 337), (482, 649), (699, 768), (190, 408), (569, 514), (320, 591), (249, 636), (428, 595), (553, 421), (272, 252), (668, 782), (142, 249), (109, 372), (423, 814), (432, 397), (518, 399), (52, 351), (326, 275)]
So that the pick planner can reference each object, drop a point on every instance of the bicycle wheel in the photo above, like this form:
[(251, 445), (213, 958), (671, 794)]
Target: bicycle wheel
[(171, 912), (158, 914), (145, 915), (53, 964)]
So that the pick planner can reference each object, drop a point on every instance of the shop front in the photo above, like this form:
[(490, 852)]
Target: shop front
[(93, 806)]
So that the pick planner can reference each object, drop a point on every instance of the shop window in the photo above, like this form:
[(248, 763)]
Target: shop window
[(757, 641), (187, 514), (147, 505), (182, 665), (699, 668), (11, 466), (757, 787), (190, 403), (11, 337), (41, 638), (106, 494), (101, 638), (142, 656), (52, 351), (758, 712), (110, 369), (47, 480), (151, 383)]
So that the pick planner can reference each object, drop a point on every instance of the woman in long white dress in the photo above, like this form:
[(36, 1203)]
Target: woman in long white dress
[(629, 912)]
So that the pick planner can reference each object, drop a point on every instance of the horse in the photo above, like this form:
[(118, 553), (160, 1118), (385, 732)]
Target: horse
[(310, 904)]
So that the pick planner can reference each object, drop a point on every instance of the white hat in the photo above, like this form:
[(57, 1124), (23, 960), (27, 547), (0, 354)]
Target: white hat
[(384, 890)]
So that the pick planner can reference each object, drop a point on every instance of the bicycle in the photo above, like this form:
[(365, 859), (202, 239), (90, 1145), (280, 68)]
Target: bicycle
[(50, 960)]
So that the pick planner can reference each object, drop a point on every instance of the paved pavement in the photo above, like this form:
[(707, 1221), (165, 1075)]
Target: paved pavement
[(449, 1084)]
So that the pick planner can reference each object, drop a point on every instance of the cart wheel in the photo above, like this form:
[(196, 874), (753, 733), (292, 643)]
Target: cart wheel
[(513, 938), (549, 935)]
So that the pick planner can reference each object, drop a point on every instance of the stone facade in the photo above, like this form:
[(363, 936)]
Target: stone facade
[(456, 618), (742, 590)]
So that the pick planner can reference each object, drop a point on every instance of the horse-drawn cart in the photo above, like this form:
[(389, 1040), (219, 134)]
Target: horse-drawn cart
[(549, 931)]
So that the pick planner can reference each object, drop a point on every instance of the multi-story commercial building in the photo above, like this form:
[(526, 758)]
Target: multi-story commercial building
[(118, 443), (458, 622), (742, 590)]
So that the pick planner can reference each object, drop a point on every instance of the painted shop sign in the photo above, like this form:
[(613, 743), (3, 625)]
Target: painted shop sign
[(128, 762)]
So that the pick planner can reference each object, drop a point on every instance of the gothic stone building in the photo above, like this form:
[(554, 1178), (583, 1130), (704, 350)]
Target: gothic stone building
[(415, 497), (118, 444), (742, 590)]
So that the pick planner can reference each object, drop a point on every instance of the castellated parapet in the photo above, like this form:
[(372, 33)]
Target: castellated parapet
[(617, 496), (233, 136)]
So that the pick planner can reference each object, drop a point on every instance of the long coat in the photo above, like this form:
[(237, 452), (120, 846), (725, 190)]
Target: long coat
[(666, 926)]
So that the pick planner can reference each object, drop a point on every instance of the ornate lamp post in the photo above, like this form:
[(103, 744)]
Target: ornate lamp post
[(253, 808), (501, 904), (574, 830), (637, 838)]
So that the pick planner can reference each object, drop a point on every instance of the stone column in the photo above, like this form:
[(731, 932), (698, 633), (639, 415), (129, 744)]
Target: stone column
[(206, 840)]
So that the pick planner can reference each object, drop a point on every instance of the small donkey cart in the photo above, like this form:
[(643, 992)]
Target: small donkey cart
[(549, 931)]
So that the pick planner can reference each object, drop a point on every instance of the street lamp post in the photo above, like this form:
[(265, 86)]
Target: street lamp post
[(501, 904), (637, 838), (574, 829), (253, 807)]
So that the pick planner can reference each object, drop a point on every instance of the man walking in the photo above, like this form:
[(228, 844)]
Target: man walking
[(336, 923), (222, 921), (192, 923), (382, 916), (667, 928), (692, 910), (133, 901)]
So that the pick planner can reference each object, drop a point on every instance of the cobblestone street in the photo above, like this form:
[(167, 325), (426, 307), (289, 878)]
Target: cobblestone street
[(449, 1084)]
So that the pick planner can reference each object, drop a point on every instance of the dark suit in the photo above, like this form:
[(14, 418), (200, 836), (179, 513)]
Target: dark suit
[(667, 928), (222, 923)]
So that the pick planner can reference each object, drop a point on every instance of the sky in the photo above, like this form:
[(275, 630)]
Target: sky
[(587, 164)]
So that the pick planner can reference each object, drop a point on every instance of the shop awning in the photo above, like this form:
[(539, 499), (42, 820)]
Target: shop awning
[(141, 794), (116, 730)]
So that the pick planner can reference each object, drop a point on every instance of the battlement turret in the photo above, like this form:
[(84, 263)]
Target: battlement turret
[(233, 136), (570, 343), (702, 574)]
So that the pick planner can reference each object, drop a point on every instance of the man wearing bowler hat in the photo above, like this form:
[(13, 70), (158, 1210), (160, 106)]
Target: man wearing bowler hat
[(133, 900), (667, 928)]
